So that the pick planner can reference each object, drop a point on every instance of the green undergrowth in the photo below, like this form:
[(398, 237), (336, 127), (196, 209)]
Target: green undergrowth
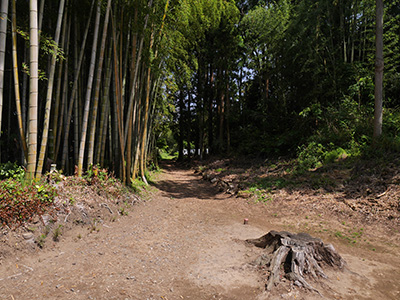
[(316, 167), (21, 201), (151, 175), (164, 155), (352, 235)]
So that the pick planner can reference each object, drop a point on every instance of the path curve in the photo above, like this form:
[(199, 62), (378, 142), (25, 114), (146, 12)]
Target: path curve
[(185, 242), (182, 243)]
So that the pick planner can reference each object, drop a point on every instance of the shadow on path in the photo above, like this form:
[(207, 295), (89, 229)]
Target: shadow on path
[(181, 183)]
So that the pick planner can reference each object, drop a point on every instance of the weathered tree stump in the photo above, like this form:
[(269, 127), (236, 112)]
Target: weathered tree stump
[(296, 257)]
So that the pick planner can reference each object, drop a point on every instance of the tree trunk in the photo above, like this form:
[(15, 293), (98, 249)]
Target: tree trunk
[(202, 77), (379, 65), (145, 124), (188, 125), (221, 113), (228, 107), (56, 113), (138, 128), (210, 95), (46, 124), (88, 93), (181, 125), (24, 97), (16, 82), (118, 109), (3, 36), (104, 138), (77, 112), (74, 90), (33, 89), (97, 87), (104, 107), (41, 11), (135, 69)]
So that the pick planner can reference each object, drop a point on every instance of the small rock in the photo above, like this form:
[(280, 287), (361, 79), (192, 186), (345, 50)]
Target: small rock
[(27, 236), (46, 219), (244, 194)]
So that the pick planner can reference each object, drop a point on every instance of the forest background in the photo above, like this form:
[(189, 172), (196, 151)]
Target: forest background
[(121, 83)]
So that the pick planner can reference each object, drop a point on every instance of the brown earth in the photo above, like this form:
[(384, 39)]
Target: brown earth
[(186, 241)]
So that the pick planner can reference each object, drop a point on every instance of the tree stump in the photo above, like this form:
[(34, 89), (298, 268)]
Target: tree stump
[(296, 257)]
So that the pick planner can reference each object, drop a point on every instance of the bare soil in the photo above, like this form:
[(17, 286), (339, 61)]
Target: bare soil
[(187, 241)]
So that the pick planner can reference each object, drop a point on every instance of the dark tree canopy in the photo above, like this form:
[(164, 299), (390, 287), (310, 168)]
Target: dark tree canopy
[(277, 77)]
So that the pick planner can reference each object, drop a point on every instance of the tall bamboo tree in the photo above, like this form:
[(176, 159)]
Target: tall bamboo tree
[(97, 87), (16, 80), (379, 65), (3, 33), (89, 92), (43, 146), (74, 90), (33, 89)]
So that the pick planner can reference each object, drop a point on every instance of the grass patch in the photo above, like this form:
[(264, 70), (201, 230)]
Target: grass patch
[(260, 195), (167, 156), (352, 236), (57, 233)]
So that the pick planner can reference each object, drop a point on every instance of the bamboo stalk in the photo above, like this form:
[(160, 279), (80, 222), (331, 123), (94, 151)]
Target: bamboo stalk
[(33, 89), (3, 38), (97, 87), (74, 90), (56, 128), (16, 81), (88, 92), (46, 124), (105, 107), (118, 100)]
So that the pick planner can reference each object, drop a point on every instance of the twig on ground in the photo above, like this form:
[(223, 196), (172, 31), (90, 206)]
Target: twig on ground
[(66, 217), (106, 206), (29, 268)]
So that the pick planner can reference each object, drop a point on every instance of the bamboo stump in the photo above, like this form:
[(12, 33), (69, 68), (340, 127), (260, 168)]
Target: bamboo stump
[(297, 257)]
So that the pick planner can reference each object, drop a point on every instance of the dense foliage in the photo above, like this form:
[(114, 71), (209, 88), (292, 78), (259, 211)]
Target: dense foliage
[(120, 82), (287, 76)]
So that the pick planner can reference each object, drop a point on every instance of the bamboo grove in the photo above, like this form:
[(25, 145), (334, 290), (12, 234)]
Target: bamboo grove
[(112, 82), (82, 78)]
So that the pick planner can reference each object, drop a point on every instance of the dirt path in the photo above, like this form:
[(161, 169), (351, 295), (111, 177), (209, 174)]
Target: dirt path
[(184, 243)]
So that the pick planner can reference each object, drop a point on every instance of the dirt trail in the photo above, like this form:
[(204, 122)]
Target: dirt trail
[(184, 243)]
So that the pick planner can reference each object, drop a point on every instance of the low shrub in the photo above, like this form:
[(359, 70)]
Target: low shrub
[(11, 170), (310, 156), (20, 202)]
